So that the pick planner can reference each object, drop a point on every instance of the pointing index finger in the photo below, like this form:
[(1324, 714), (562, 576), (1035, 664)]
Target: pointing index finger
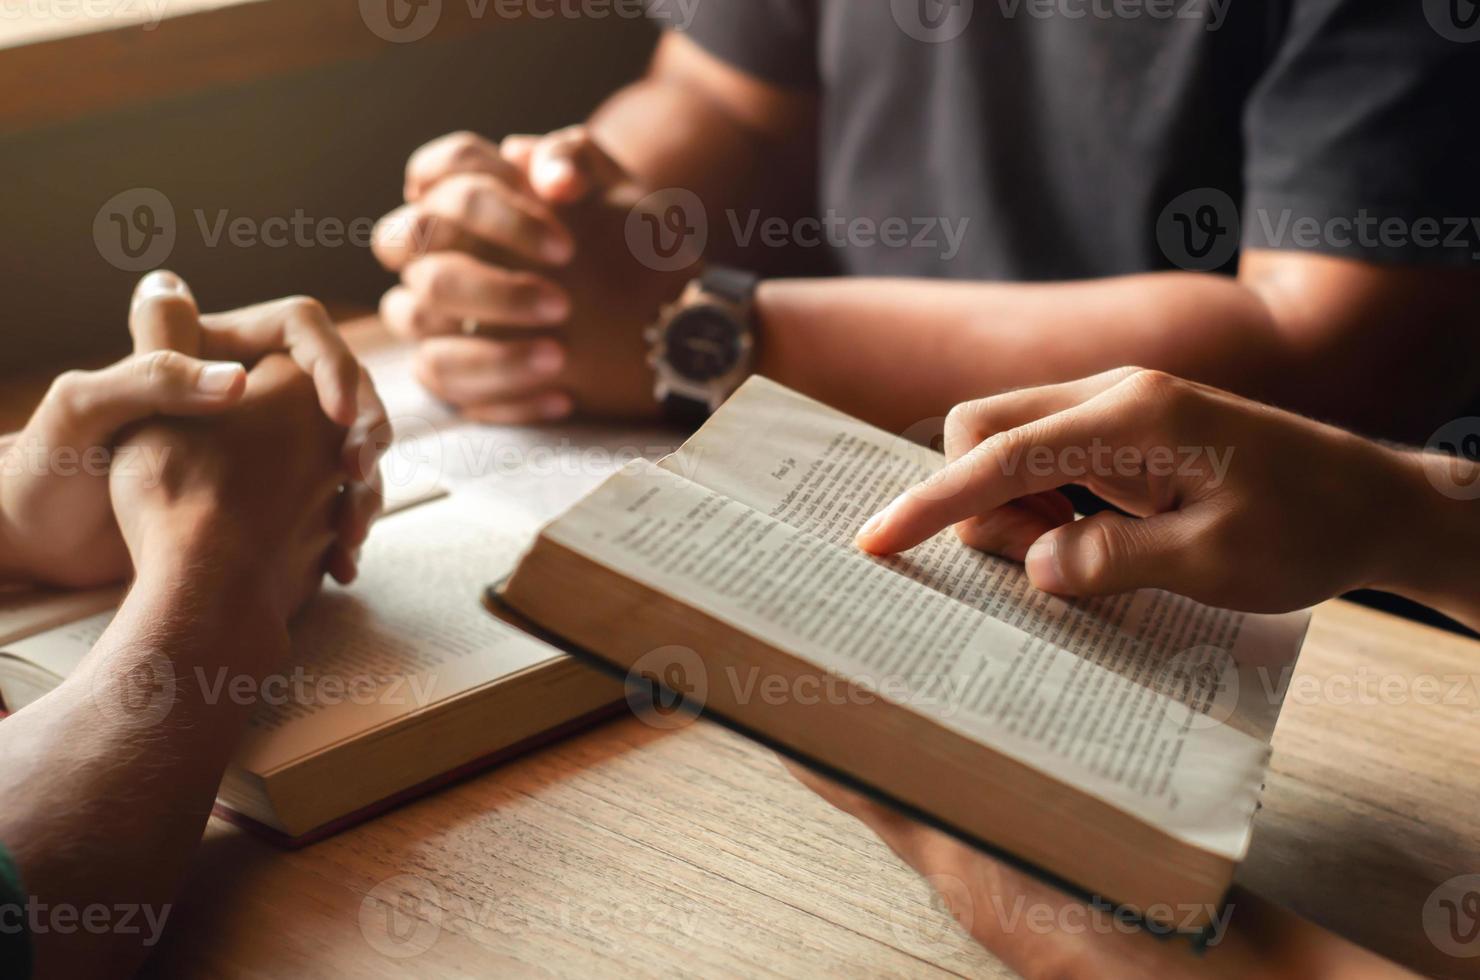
[(1019, 462)]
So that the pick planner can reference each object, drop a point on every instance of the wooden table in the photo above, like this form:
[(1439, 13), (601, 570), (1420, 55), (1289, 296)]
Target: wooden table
[(632, 851)]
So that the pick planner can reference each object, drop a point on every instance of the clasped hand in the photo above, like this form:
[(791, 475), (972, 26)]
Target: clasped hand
[(231, 434)]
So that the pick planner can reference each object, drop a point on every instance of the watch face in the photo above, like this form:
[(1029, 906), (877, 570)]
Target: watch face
[(703, 343)]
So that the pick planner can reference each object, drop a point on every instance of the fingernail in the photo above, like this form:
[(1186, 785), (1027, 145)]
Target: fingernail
[(877, 522), (218, 379), (870, 526), (159, 283), (1042, 562), (552, 307), (553, 407), (547, 357)]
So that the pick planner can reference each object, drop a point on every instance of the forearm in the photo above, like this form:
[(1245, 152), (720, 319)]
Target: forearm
[(1308, 333), (696, 148), (899, 351), (130, 748), (731, 139)]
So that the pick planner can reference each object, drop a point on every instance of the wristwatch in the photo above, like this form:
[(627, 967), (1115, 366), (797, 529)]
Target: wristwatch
[(703, 346)]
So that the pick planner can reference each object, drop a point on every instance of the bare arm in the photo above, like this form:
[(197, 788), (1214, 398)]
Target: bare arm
[(1304, 331), (1301, 330), (1314, 334), (723, 132), (106, 799)]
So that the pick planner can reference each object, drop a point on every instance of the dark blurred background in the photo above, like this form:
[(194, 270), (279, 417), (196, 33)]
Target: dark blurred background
[(330, 142)]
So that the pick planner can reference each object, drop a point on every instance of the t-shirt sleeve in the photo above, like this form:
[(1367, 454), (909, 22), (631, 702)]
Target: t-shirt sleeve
[(15, 940), (775, 40), (1360, 136)]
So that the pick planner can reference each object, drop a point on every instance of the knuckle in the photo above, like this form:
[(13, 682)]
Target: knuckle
[(431, 278), (573, 137), (965, 418), (464, 196), (158, 368), (67, 393), (1004, 448), (1156, 386), (959, 417), (306, 308), (462, 144)]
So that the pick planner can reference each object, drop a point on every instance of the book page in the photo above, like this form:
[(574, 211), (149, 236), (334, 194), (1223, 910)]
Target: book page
[(408, 633), (26, 612), (826, 473), (1066, 715)]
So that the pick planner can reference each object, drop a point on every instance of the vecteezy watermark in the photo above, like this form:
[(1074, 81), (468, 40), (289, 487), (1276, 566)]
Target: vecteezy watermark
[(146, 688), (1368, 231), (1201, 687), (938, 21), (947, 922), (670, 229), (668, 687), (38, 918), (134, 230), (139, 695), (1006, 453), (401, 917), (1451, 916), (1012, 913), (671, 686), (941, 235), (28, 456), (1201, 230), (401, 21), (1454, 467), (404, 21), (1210, 12), (138, 229), (933, 21), (306, 688), (415, 451), (1100, 917), (145, 13), (405, 915), (1454, 20)]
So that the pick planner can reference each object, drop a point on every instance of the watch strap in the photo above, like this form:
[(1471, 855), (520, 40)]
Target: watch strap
[(728, 283), (681, 410)]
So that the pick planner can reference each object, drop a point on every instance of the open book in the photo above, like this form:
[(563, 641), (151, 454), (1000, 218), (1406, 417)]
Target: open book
[(397, 683), (1118, 746)]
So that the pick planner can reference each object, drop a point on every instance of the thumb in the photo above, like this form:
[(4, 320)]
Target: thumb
[(163, 315), (1107, 553), (568, 165), (86, 408)]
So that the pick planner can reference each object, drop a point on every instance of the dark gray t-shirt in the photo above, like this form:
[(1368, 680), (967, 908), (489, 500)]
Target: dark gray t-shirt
[(1057, 139)]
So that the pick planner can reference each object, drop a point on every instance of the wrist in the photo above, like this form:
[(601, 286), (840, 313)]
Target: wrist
[(217, 614), (197, 557), (1433, 525)]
